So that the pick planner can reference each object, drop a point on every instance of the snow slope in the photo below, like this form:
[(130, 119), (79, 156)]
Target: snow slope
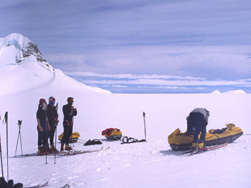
[(150, 164), (23, 67)]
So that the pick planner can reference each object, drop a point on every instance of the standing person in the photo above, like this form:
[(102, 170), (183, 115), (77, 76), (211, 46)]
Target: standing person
[(69, 112), (197, 122), (43, 127), (53, 120)]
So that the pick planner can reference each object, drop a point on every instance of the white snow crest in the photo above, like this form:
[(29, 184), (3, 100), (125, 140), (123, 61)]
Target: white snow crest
[(16, 49), (23, 67), (238, 91)]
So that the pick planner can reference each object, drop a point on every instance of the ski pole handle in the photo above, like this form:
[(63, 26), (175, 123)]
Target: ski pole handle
[(19, 123)]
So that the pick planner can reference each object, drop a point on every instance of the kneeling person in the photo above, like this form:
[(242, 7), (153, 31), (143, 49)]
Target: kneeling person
[(197, 122)]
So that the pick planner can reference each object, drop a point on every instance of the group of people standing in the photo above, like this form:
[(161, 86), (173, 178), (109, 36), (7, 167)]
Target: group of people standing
[(47, 120)]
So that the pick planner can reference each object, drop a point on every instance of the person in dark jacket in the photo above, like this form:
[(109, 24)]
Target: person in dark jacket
[(53, 120), (196, 123), (69, 112), (43, 127)]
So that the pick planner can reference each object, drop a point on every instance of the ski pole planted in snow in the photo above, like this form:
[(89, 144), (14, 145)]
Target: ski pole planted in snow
[(7, 142), (55, 154), (19, 123), (46, 136), (1, 156), (144, 117)]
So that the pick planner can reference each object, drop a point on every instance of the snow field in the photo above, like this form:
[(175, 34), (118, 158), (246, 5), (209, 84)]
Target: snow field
[(147, 164), (150, 164)]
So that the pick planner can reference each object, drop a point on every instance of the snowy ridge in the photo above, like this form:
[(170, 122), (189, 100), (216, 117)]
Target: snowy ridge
[(23, 67), (238, 91), (20, 49)]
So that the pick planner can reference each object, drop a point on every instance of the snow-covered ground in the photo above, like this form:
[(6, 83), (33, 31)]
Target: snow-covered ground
[(149, 164)]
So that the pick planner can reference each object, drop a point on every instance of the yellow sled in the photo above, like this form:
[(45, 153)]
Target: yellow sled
[(183, 141), (74, 137)]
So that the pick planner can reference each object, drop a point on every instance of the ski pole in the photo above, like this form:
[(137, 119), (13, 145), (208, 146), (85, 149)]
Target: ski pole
[(17, 145), (55, 156), (46, 142), (19, 137), (20, 122), (7, 143), (1, 157), (144, 115), (56, 124), (1, 154)]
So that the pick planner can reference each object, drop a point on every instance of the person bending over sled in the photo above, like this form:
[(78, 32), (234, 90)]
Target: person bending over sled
[(53, 121), (196, 123), (69, 112), (43, 127)]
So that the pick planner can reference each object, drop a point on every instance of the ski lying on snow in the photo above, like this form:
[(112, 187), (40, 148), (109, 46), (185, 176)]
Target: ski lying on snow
[(77, 152), (34, 155), (27, 155), (38, 185), (211, 148), (61, 153), (65, 186), (45, 185)]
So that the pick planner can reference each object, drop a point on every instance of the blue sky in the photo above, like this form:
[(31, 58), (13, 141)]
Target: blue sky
[(140, 46)]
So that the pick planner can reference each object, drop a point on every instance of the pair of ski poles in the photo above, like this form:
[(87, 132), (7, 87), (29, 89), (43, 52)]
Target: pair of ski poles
[(5, 120), (55, 153)]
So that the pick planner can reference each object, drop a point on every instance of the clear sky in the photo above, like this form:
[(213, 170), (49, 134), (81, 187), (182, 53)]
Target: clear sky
[(140, 46)]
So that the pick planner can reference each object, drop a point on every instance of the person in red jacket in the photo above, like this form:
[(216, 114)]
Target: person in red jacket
[(69, 112)]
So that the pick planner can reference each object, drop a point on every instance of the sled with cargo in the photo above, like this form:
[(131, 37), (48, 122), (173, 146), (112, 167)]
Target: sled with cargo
[(183, 141), (73, 138), (112, 134)]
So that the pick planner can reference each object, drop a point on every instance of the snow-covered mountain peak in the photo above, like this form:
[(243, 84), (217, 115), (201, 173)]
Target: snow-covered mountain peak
[(16, 49), (23, 67)]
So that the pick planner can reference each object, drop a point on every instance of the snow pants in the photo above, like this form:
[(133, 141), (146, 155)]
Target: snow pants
[(67, 132), (196, 121), (52, 131), (43, 137)]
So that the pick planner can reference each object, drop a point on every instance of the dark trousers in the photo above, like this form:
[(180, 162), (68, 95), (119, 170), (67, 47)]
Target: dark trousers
[(196, 122), (42, 137), (67, 133), (52, 131)]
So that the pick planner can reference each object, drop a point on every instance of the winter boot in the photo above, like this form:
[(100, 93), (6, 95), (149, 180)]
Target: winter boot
[(62, 146), (40, 150), (45, 149), (67, 147), (53, 149), (48, 149), (201, 146), (52, 146), (194, 146)]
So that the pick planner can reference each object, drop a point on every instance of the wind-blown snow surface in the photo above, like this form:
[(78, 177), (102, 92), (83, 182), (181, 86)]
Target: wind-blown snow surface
[(150, 164)]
